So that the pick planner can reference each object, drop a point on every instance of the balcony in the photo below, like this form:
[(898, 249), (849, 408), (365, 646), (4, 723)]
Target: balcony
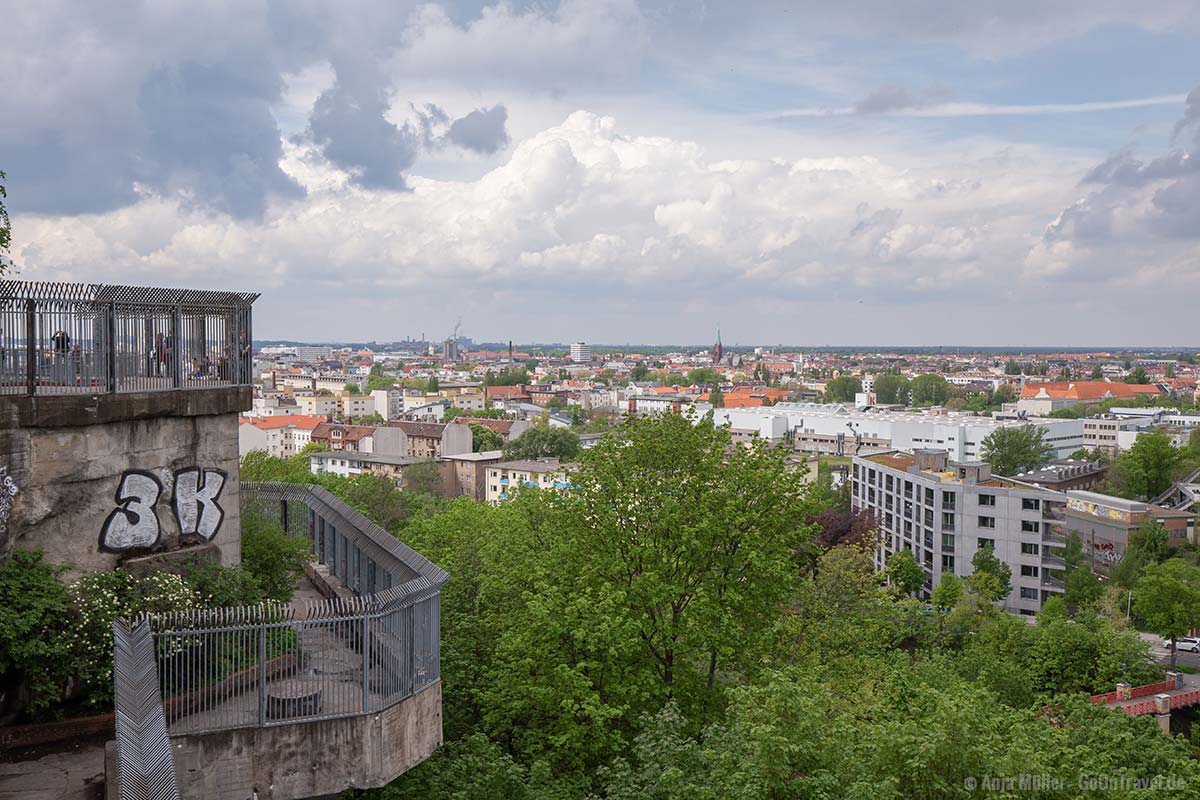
[(309, 698), (1053, 561), (1052, 513), (1051, 583), (88, 339)]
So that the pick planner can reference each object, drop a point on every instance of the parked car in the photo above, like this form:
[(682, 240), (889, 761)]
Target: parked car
[(1184, 644)]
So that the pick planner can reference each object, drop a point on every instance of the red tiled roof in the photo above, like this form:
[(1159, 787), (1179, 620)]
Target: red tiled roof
[(426, 430), (502, 426), (1087, 390), (351, 432), (305, 421)]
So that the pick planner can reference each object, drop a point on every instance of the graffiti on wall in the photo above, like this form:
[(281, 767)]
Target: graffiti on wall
[(134, 523), (8, 490)]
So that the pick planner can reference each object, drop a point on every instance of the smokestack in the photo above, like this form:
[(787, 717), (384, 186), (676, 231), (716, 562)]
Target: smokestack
[(510, 351)]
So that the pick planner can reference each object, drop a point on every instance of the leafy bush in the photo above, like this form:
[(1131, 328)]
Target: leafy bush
[(99, 599), (218, 586), (272, 557), (35, 657)]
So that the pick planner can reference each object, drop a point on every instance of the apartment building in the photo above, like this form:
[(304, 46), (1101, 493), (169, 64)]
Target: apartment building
[(835, 429), (470, 472), (317, 405), (581, 353), (946, 511), (1104, 432), (504, 476), (389, 403), (1043, 398), (336, 436), (355, 405), (349, 464), (422, 439), (281, 436)]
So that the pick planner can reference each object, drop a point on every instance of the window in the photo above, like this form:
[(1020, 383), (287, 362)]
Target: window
[(987, 500), (1029, 548), (889, 483), (948, 500), (856, 471), (928, 496), (1029, 594), (987, 522), (948, 541), (1029, 526), (1030, 504), (908, 489), (1028, 571), (947, 520), (986, 544), (947, 563)]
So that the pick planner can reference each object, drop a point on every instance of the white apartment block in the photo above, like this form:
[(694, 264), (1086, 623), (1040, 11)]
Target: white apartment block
[(280, 436), (505, 476), (317, 405), (831, 428), (581, 352), (389, 403), (946, 511), (356, 405)]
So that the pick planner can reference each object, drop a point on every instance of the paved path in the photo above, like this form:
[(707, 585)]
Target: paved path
[(75, 774)]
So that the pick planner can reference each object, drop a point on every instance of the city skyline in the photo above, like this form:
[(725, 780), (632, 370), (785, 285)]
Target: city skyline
[(881, 172)]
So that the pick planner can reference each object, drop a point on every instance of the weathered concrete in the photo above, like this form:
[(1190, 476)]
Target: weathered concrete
[(310, 759), (67, 456), (76, 774)]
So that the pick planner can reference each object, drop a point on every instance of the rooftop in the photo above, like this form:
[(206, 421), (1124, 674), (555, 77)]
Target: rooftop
[(534, 465)]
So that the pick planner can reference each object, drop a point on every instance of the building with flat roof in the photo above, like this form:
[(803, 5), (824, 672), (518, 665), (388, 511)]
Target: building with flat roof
[(835, 429), (543, 473), (280, 436), (1104, 523), (581, 353), (945, 511), (1043, 398)]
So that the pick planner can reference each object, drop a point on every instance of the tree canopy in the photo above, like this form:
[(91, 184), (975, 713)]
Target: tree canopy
[(842, 389), (929, 390), (543, 441), (1016, 449)]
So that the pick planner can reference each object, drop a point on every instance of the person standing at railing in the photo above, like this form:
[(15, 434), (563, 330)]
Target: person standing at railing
[(62, 347)]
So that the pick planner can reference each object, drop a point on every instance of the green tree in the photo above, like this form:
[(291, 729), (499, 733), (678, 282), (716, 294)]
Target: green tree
[(842, 389), (639, 372), (274, 558), (1016, 449), (904, 573), (432, 386), (423, 478), (352, 388), (948, 592), (1169, 372), (1136, 376), (484, 438), (991, 578), (929, 390), (1149, 464), (716, 397), (1013, 368), (703, 376), (1097, 373), (36, 661), (1167, 597), (544, 442), (890, 389)]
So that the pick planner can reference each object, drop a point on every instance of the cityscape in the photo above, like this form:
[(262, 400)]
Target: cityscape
[(600, 401)]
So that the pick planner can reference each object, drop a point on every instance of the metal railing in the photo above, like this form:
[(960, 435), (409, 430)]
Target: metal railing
[(69, 338), (274, 664)]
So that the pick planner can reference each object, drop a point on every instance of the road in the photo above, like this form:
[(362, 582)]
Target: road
[(1164, 655)]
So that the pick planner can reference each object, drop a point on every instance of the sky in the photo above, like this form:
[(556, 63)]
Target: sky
[(891, 172)]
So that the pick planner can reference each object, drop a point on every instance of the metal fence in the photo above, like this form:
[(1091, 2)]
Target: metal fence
[(274, 664), (69, 338)]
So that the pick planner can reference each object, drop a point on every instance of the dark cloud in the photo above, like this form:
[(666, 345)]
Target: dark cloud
[(349, 125), (1122, 178), (210, 135), (482, 130)]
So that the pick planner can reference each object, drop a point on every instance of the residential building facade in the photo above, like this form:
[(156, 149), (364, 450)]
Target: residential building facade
[(945, 512), (504, 476)]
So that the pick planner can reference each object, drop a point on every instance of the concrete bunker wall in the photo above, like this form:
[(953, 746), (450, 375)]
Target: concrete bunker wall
[(96, 481)]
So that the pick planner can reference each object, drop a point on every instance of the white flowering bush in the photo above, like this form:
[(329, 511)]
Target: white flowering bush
[(102, 597)]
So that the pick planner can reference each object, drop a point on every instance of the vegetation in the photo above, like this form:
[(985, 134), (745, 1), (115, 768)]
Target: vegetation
[(703, 376), (543, 441), (737, 642), (484, 438), (892, 389), (842, 389), (1016, 449), (272, 558), (929, 390), (1167, 596)]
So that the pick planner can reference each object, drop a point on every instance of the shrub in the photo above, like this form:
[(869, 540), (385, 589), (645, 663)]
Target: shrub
[(218, 586), (99, 599), (272, 557), (35, 656)]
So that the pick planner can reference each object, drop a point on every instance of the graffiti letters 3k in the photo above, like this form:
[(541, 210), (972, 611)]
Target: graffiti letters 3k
[(134, 522)]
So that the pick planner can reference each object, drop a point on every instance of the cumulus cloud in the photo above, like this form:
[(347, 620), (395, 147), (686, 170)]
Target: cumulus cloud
[(586, 206), (1137, 212), (483, 130)]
